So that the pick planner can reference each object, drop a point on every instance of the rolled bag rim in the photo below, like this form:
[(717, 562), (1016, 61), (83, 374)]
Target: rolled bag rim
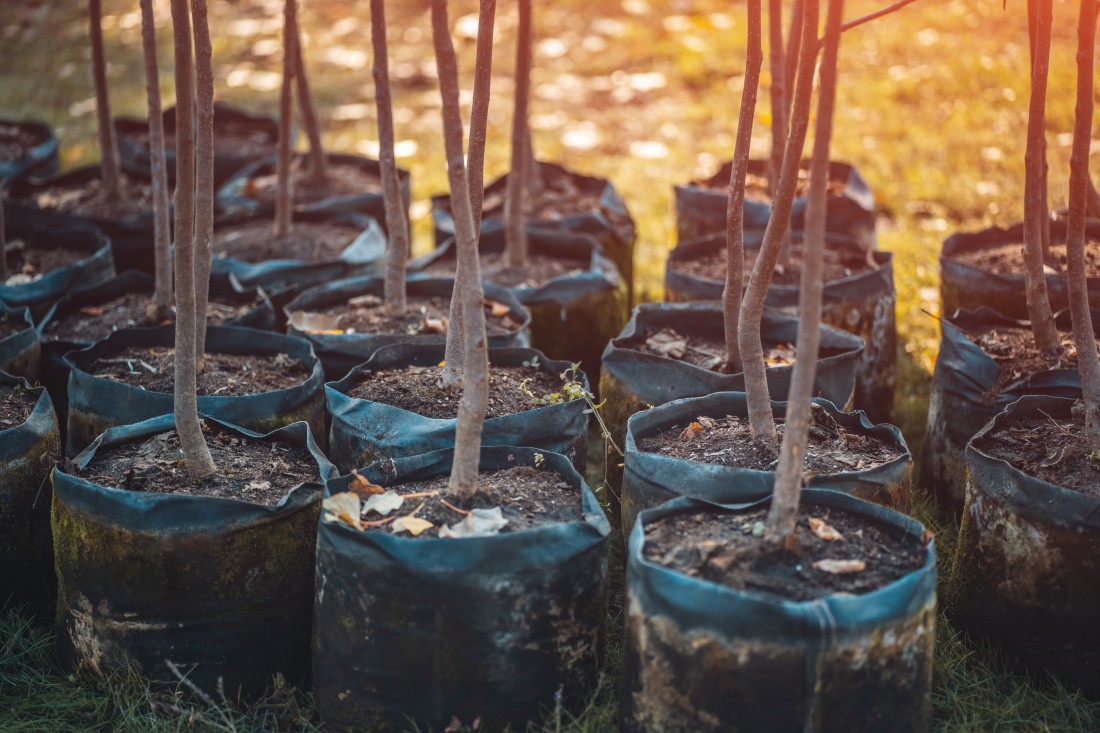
[(715, 476), (219, 339), (99, 265), (616, 354), (18, 439), (23, 342), (339, 404), (41, 155), (730, 613)]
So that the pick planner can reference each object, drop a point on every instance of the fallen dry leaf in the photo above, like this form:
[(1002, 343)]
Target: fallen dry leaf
[(91, 310), (259, 485), (343, 507), (667, 342), (478, 523), (824, 530), (411, 524), (497, 310), (691, 431), (383, 503), (362, 486), (840, 567), (434, 325)]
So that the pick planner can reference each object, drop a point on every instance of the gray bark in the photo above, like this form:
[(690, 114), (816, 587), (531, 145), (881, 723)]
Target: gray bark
[(318, 167), (110, 174), (515, 209), (284, 201), (161, 306), (204, 172)]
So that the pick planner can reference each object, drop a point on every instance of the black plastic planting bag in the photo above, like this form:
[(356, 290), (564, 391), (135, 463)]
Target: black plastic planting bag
[(220, 587), (233, 198), (131, 236), (19, 351), (650, 479), (609, 222), (97, 265), (363, 255), (966, 286), (340, 352), (703, 657), (364, 432), (40, 159), (27, 451), (1026, 565), (262, 130), (863, 304), (701, 209), (572, 316), (962, 400), (492, 628), (96, 404)]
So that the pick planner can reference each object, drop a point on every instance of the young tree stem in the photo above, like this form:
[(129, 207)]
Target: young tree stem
[(284, 203), (204, 172), (318, 166), (778, 94), (110, 172), (515, 210), (161, 306)]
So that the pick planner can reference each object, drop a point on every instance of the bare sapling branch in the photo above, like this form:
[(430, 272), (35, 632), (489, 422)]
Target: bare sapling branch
[(196, 455), (110, 171), (475, 171), (284, 202), (793, 47), (1038, 304), (318, 166), (893, 8), (475, 388), (1032, 28), (397, 225), (761, 421), (735, 211), (204, 171), (788, 474), (1084, 337), (160, 308), (777, 64), (515, 210)]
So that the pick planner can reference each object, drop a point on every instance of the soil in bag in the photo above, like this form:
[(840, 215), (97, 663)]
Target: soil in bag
[(28, 148), (153, 369)]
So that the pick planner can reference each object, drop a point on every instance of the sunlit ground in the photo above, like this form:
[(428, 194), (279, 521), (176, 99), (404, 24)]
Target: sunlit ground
[(932, 109)]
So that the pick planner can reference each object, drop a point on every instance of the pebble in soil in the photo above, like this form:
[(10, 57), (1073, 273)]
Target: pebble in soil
[(152, 369)]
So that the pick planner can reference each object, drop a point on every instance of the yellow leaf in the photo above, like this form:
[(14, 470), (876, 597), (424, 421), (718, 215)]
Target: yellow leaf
[(824, 530), (691, 431), (92, 310), (497, 310), (363, 487), (343, 507), (840, 567), (411, 524)]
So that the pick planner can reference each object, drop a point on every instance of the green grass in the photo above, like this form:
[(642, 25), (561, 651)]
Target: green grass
[(932, 110)]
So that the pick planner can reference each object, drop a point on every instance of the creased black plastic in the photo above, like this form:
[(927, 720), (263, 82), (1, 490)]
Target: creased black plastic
[(232, 199), (965, 286), (962, 401), (221, 587), (339, 353), (131, 236), (364, 432), (96, 404), (27, 451), (1027, 560), (20, 351), (40, 160), (701, 209), (863, 304), (650, 479), (703, 657), (610, 224), (490, 627), (133, 146), (572, 316), (97, 266)]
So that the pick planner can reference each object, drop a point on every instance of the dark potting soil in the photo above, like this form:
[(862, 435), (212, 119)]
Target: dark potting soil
[(16, 405), (728, 441), (538, 270), (838, 266), (1008, 259), (1054, 450), (223, 374), (96, 322), (89, 199), (27, 264), (248, 470), (418, 389), (255, 241), (11, 323), (730, 550), (342, 179), (364, 314), (16, 140), (758, 189), (231, 137), (527, 498), (1017, 357), (704, 351)]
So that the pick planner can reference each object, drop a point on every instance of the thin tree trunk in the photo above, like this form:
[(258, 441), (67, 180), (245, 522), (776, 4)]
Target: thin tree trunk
[(318, 167), (196, 455), (1084, 337), (735, 211), (397, 251), (788, 474), (1093, 201), (161, 306), (1032, 32), (534, 175), (515, 210), (108, 146), (3, 244), (794, 44), (204, 172), (761, 421), (1038, 305), (475, 389), (779, 105), (475, 172), (284, 202)]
